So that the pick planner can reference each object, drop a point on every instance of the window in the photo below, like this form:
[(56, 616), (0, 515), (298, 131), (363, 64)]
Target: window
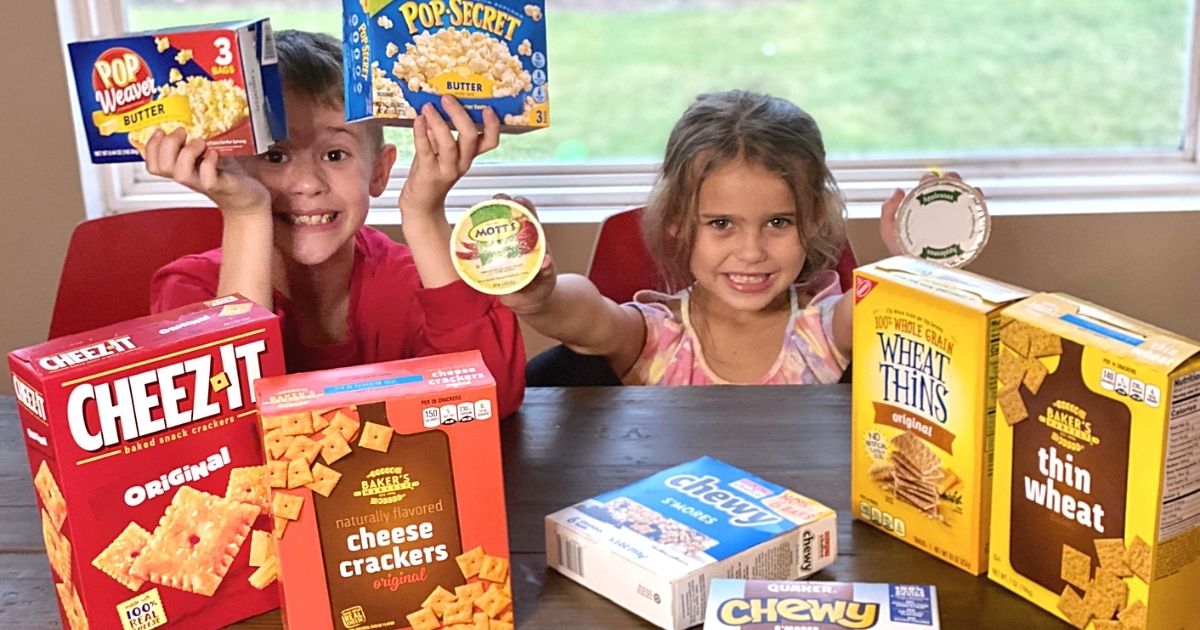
[(1093, 100)]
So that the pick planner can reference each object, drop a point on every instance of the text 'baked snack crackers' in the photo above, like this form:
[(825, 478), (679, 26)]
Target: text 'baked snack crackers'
[(404, 54), (766, 604), (140, 436), (653, 546), (220, 82), (926, 339), (388, 496), (1096, 508)]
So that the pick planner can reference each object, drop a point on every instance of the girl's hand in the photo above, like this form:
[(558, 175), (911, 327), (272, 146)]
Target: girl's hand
[(889, 209), (442, 159), (221, 179), (536, 294)]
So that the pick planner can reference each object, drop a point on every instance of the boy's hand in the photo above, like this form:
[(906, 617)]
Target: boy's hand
[(206, 172), (888, 211), (441, 159), (536, 294)]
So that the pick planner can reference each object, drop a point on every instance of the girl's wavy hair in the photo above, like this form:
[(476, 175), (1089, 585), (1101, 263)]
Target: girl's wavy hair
[(719, 128)]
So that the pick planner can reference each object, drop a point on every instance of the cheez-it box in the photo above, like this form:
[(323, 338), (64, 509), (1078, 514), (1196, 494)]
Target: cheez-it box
[(388, 496), (144, 451), (1096, 512)]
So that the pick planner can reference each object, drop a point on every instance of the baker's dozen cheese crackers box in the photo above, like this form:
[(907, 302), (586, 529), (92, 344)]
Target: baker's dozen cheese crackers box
[(1096, 515), (926, 339), (775, 604), (143, 446), (388, 496), (653, 546)]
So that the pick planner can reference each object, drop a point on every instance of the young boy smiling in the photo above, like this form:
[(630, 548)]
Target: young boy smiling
[(294, 237)]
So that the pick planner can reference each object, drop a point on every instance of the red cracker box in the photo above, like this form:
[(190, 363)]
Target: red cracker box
[(388, 496), (143, 446)]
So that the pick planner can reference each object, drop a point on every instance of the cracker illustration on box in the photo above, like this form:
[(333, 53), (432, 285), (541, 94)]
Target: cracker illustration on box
[(387, 496), (1096, 515)]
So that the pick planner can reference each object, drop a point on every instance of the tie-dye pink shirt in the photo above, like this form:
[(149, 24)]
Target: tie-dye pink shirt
[(673, 356)]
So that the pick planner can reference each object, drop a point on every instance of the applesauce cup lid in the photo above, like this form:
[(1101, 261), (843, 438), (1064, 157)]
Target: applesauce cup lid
[(498, 246), (943, 220)]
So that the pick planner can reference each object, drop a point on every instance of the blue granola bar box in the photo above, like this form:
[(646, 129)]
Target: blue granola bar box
[(220, 82), (653, 546), (772, 604), (401, 55)]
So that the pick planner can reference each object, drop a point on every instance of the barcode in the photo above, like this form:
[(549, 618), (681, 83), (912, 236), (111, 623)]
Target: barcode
[(570, 555), (268, 43)]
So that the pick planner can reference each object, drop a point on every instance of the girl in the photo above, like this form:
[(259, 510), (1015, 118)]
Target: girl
[(746, 225)]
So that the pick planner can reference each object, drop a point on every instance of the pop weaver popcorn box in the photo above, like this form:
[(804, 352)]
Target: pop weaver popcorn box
[(926, 340), (1096, 511), (388, 496), (814, 605), (220, 82), (144, 451), (654, 546), (403, 54)]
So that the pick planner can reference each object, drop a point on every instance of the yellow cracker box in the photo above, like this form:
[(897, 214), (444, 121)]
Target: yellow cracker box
[(143, 445), (1096, 500), (925, 347), (388, 496)]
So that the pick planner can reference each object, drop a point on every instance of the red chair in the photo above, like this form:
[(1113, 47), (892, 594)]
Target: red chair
[(110, 260), (621, 264)]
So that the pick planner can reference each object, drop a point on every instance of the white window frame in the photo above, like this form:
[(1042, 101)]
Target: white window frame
[(1015, 183)]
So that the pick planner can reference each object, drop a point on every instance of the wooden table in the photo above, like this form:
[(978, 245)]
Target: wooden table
[(570, 444)]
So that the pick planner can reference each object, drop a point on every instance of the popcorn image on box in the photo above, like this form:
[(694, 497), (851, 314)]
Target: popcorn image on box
[(144, 451), (926, 339), (401, 55), (220, 82), (1096, 500), (388, 496), (654, 545), (768, 604)]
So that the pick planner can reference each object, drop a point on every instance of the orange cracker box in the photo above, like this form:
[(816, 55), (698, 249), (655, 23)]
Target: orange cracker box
[(143, 446), (1096, 499), (926, 339), (388, 496)]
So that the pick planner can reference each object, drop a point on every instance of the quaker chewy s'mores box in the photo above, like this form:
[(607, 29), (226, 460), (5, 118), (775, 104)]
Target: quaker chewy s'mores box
[(143, 446), (1096, 511), (388, 496), (220, 82), (813, 605), (653, 546), (403, 54), (925, 344)]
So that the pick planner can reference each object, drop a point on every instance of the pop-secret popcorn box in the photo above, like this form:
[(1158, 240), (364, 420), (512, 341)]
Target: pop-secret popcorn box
[(926, 339), (1096, 509), (653, 546), (388, 496), (813, 605), (401, 55), (143, 446), (220, 82)]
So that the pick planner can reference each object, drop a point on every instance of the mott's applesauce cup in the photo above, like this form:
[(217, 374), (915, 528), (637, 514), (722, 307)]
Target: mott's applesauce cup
[(498, 246), (943, 220)]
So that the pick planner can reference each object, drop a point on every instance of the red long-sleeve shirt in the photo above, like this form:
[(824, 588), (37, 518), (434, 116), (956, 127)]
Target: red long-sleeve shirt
[(391, 316)]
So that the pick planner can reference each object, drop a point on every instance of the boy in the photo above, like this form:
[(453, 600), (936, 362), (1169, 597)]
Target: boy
[(294, 236)]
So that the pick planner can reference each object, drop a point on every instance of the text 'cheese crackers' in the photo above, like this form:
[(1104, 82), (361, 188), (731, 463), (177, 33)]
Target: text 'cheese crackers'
[(143, 442)]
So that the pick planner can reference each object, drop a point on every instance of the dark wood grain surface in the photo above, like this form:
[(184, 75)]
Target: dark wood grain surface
[(570, 444)]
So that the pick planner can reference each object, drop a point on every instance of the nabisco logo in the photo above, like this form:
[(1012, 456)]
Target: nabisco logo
[(862, 286)]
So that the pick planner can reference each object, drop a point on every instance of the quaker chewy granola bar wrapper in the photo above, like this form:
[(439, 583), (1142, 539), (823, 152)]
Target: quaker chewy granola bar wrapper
[(653, 546), (1096, 510), (388, 496), (143, 446), (813, 605), (401, 55), (220, 82)]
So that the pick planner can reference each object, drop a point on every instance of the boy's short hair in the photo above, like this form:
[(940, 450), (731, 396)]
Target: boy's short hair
[(310, 65)]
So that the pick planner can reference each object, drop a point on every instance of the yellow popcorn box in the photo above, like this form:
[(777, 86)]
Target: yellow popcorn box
[(1096, 510), (926, 341)]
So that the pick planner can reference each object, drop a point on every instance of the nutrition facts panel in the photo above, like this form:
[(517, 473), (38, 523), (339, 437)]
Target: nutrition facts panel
[(1181, 475)]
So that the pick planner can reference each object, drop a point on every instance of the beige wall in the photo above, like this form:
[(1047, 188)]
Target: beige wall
[(1145, 265)]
